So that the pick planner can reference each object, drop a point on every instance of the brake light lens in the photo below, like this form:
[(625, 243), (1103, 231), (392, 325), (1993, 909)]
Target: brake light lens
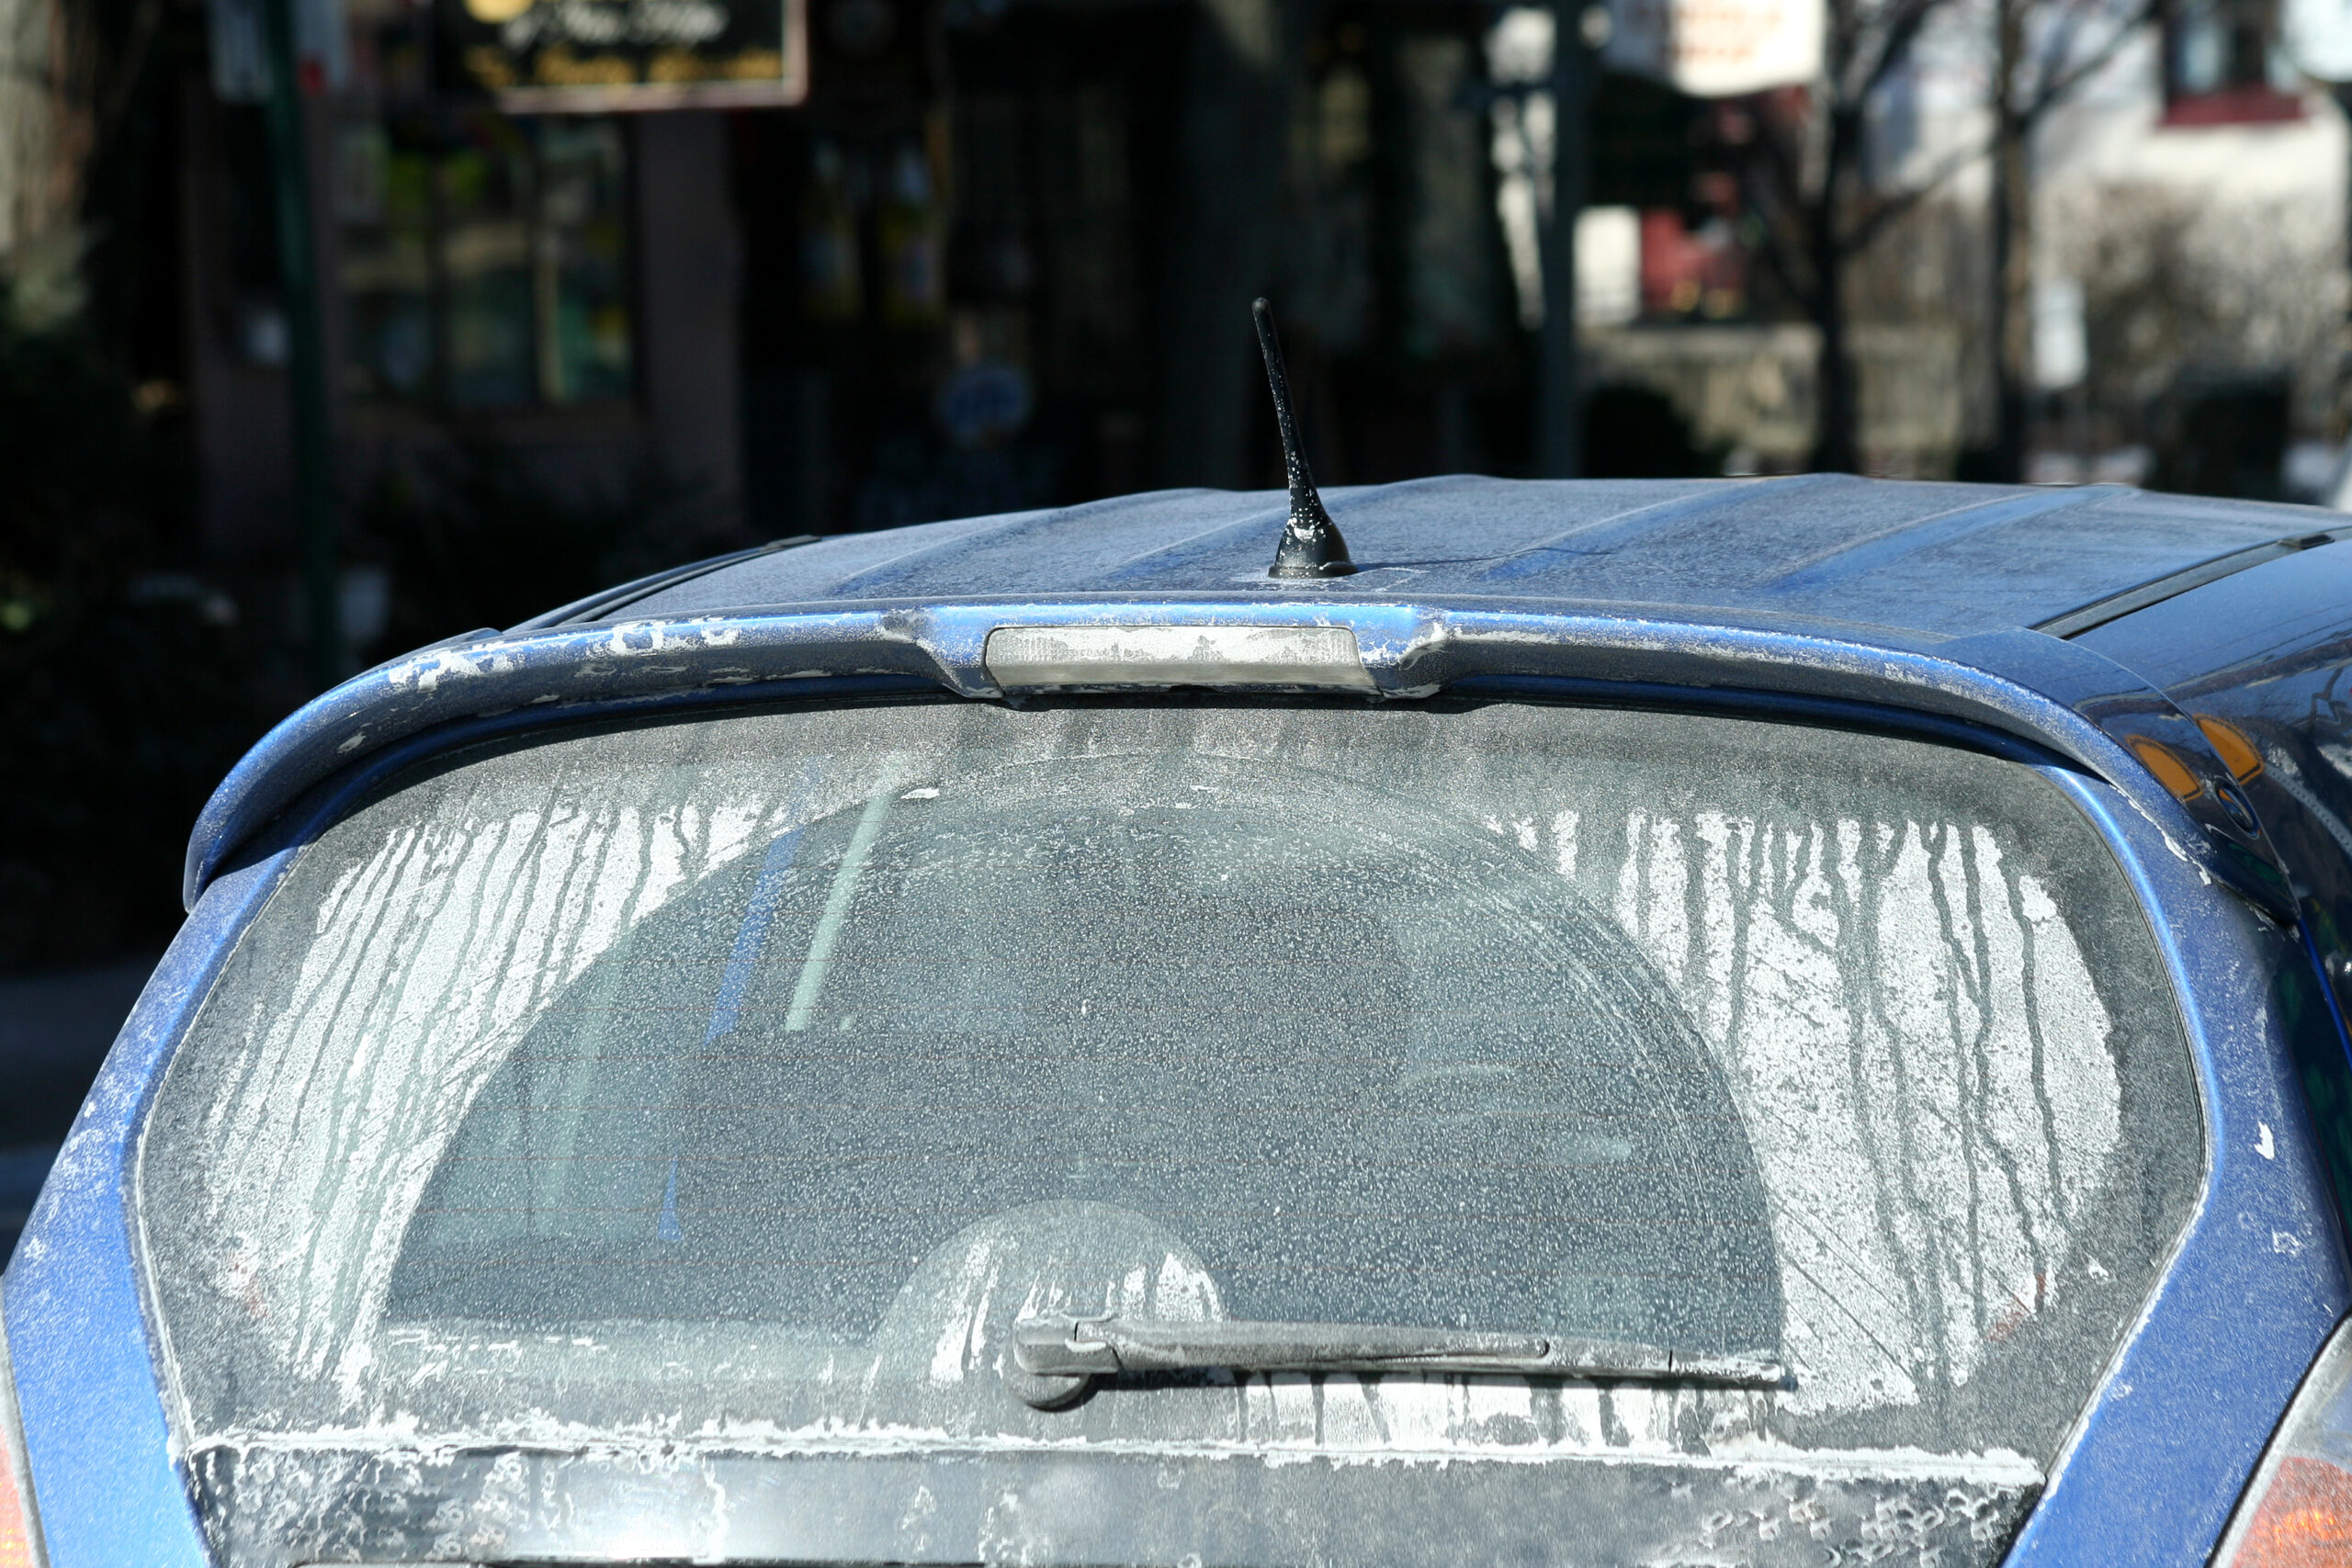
[(1027, 658), (19, 1525), (2298, 1511)]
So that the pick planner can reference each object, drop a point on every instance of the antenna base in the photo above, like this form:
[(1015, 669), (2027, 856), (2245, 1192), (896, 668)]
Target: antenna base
[(1312, 547), (1321, 568)]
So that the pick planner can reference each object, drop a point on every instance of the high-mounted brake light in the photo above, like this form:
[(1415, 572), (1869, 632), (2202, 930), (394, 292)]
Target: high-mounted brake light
[(2296, 1513), (1285, 658), (19, 1525)]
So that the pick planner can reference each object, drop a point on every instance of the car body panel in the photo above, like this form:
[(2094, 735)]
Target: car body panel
[(1143, 1505), (1940, 559), (90, 1385), (2261, 1277), (1764, 598), (2263, 1280), (2267, 652), (2035, 687), (2270, 651)]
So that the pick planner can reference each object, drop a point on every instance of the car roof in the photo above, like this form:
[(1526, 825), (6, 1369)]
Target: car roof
[(1942, 560), (1904, 597)]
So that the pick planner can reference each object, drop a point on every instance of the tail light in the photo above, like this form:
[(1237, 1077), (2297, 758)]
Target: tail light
[(2298, 1511), (19, 1525)]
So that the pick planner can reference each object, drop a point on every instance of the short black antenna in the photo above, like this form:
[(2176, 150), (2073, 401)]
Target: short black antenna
[(1311, 545)]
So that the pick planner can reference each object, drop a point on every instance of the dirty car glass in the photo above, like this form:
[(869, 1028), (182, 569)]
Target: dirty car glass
[(743, 1081)]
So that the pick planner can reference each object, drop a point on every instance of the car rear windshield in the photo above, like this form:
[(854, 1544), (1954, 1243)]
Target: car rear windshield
[(744, 1079)]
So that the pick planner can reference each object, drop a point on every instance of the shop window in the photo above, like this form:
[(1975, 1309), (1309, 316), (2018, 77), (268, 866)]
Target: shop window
[(485, 262), (2221, 66)]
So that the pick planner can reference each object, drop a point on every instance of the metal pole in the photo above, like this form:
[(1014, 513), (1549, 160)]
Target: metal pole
[(2342, 93), (1559, 403), (2335, 496), (306, 361)]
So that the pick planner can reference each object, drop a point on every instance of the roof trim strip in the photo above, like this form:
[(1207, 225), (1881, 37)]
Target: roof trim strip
[(605, 601), (2115, 607), (1857, 557), (1598, 534)]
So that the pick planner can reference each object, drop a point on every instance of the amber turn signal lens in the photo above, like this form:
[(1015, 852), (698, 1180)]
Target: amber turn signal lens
[(2170, 770), (21, 1544), (2304, 1519), (2296, 1513), (2238, 754), (16, 1549)]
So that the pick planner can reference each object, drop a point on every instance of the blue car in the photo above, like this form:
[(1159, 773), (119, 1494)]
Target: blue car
[(1675, 1021)]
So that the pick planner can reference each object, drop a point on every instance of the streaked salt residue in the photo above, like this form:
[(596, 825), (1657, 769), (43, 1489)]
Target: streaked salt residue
[(1922, 1062), (428, 961)]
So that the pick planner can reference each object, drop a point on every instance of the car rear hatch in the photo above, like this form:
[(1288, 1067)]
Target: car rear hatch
[(651, 1139)]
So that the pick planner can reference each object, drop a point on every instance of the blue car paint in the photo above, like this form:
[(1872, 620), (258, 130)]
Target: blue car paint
[(2268, 651), (2250, 626), (2278, 1304), (2197, 1389), (2260, 1277), (1938, 559), (2033, 686), (90, 1384)]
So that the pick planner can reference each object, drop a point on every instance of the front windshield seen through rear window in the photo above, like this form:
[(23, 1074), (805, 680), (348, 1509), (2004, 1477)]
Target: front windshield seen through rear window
[(752, 1076)]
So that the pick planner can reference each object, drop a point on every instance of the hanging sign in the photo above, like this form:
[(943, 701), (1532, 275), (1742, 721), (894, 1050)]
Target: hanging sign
[(2318, 35), (597, 56), (1715, 49)]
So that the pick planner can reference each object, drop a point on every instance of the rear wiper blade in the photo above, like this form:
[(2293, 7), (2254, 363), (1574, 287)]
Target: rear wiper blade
[(1058, 1354)]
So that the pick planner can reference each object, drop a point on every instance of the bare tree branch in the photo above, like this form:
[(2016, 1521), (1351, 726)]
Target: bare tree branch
[(1844, 38), (1777, 253), (1777, 175), (1887, 210), (1900, 33), (2052, 90)]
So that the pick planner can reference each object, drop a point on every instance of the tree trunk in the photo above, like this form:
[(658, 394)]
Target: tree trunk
[(2012, 246), (47, 60), (1231, 139), (1559, 400), (1837, 415)]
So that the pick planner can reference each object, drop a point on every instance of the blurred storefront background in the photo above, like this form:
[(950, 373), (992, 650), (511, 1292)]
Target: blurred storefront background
[(995, 254), (608, 284), (997, 258)]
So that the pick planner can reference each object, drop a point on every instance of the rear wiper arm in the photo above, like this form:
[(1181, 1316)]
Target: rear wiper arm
[(1059, 1354)]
